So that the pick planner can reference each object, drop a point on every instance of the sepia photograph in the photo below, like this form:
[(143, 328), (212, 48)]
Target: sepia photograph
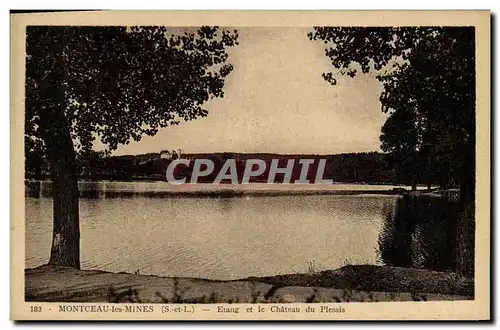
[(209, 168)]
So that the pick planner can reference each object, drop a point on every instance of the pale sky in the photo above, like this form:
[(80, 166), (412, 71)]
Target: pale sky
[(276, 101)]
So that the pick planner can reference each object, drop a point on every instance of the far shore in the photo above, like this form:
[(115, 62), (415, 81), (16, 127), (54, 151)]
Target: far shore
[(162, 188), (353, 283)]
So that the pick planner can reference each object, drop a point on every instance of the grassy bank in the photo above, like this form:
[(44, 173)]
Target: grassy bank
[(379, 278), (349, 283)]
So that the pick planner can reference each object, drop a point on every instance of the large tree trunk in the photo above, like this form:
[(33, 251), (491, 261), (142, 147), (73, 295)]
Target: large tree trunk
[(65, 249)]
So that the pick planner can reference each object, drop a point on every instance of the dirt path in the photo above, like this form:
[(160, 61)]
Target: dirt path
[(60, 284)]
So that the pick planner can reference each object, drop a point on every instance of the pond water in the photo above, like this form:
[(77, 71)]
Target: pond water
[(230, 238)]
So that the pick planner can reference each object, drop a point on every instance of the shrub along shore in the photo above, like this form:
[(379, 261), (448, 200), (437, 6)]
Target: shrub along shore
[(346, 284)]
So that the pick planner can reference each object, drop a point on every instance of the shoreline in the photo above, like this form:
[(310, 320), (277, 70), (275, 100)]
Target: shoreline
[(163, 189), (347, 284)]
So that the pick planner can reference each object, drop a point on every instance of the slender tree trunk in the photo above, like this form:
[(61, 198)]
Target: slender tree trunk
[(65, 249), (466, 225), (415, 170)]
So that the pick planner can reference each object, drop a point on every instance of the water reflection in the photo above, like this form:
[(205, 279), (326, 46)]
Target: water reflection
[(427, 232)]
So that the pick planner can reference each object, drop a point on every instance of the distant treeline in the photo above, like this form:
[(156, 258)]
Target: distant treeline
[(366, 167)]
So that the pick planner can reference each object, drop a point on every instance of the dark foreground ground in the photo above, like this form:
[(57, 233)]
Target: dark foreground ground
[(350, 283)]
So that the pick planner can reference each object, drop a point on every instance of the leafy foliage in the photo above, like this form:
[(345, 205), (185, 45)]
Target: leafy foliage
[(120, 83), (428, 75)]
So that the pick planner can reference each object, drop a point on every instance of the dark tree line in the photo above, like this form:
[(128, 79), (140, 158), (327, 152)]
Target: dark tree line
[(364, 167)]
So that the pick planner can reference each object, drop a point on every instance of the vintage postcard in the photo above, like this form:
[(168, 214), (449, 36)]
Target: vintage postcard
[(250, 165)]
